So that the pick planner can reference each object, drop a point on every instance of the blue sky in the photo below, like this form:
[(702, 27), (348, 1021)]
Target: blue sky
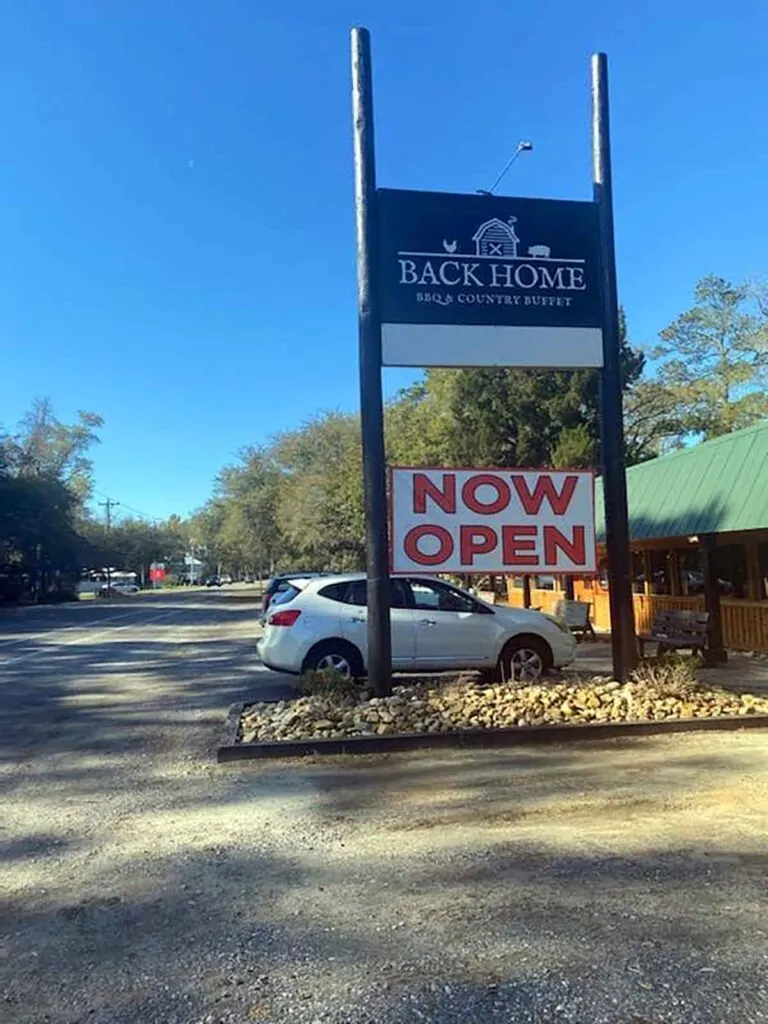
[(176, 191)]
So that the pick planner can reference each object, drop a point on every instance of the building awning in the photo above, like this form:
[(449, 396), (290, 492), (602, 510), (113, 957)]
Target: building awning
[(720, 486)]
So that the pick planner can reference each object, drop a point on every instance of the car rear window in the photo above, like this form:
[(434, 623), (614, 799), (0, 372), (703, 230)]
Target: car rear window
[(335, 591), (284, 595)]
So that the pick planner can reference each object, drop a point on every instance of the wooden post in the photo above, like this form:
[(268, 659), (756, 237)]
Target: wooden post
[(647, 572), (568, 588), (716, 652), (754, 581), (526, 591), (371, 400), (623, 644), (673, 571)]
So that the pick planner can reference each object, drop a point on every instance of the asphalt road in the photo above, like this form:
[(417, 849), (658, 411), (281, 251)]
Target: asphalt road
[(142, 883), (77, 675)]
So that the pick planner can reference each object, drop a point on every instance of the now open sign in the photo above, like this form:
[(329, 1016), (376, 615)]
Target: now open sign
[(497, 521)]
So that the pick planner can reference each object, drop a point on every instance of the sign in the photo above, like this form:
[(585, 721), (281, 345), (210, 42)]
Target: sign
[(493, 521), (156, 573), (475, 280)]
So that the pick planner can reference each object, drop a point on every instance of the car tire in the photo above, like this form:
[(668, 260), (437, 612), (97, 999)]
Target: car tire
[(524, 659), (335, 655)]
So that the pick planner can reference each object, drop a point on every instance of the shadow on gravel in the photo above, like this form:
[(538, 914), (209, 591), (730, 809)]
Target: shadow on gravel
[(485, 887), (32, 847), (504, 785), (509, 934)]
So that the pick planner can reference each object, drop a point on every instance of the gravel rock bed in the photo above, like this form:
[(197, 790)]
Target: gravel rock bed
[(465, 704)]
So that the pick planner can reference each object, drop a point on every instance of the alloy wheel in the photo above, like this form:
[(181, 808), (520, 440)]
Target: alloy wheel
[(527, 665), (334, 663)]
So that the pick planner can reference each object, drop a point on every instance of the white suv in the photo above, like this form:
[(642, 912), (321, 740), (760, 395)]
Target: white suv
[(321, 623)]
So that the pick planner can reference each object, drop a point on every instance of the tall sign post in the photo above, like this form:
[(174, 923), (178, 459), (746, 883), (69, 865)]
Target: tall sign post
[(371, 402), (623, 646), (486, 280)]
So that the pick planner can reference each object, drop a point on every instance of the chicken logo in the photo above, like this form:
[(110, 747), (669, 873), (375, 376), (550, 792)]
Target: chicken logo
[(450, 247)]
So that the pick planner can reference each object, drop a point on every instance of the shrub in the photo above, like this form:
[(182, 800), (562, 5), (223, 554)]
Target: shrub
[(669, 675), (329, 684)]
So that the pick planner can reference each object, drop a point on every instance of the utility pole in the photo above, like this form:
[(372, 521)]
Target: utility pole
[(108, 505)]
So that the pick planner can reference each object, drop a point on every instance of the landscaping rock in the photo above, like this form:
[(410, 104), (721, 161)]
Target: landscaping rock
[(463, 703)]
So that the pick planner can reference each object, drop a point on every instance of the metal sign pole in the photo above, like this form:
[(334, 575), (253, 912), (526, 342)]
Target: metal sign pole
[(611, 424), (371, 403)]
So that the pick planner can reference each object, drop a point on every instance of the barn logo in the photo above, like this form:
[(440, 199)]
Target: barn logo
[(495, 238)]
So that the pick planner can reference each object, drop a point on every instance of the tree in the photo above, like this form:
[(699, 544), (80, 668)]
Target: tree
[(652, 420), (418, 424), (248, 529), (714, 360), (513, 417), (321, 494), (45, 477), (46, 447)]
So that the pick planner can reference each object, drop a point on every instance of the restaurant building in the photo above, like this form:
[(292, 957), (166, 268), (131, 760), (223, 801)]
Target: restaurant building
[(698, 523)]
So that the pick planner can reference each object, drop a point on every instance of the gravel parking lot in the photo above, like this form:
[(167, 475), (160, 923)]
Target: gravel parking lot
[(619, 882)]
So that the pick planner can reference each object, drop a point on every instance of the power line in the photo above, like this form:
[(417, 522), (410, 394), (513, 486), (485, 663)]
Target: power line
[(129, 508)]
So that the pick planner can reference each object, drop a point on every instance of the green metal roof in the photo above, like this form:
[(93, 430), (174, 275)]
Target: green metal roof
[(715, 487)]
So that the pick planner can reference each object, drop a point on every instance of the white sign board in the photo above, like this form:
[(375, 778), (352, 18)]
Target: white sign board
[(493, 521)]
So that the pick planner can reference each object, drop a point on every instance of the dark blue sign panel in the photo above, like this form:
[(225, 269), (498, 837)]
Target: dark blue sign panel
[(472, 280)]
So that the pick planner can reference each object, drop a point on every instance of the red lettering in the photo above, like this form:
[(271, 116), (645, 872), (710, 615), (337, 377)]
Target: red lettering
[(513, 542), (411, 544), (574, 550), (469, 494), (476, 540), (424, 488), (545, 488)]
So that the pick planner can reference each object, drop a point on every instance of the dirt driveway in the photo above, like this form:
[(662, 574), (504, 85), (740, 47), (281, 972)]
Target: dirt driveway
[(622, 882)]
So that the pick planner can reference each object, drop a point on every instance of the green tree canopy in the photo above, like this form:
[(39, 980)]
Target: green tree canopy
[(713, 360), (45, 478)]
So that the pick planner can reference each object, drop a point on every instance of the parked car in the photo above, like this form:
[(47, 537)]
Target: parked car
[(281, 583), (213, 581), (320, 623), (226, 579), (119, 588)]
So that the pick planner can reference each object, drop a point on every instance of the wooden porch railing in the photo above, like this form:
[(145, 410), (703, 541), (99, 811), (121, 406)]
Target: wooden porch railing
[(745, 623), (545, 600), (646, 606)]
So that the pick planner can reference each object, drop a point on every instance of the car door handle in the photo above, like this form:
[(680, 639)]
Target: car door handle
[(427, 622)]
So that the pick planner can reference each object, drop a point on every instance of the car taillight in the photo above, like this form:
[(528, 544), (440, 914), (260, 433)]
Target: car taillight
[(284, 618)]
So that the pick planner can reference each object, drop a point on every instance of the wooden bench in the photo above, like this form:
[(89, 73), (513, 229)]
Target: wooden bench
[(575, 614), (677, 631)]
